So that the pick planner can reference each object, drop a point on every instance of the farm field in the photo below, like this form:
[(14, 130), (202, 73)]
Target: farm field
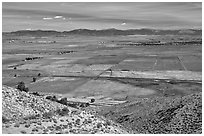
[(93, 57), (103, 69)]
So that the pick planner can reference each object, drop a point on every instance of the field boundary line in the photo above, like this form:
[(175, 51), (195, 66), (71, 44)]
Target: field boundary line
[(182, 64)]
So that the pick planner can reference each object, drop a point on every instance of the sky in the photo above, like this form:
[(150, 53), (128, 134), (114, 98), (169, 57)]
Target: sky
[(68, 16)]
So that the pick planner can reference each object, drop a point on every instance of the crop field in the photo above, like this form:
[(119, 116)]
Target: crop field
[(56, 85), (170, 63), (79, 65), (192, 62)]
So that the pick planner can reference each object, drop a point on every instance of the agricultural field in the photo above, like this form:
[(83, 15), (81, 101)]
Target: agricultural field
[(76, 63), (109, 70)]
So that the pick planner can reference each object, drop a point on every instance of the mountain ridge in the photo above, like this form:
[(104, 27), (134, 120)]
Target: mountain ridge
[(106, 32)]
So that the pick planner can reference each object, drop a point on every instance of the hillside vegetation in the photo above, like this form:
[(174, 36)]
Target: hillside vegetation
[(156, 115), (27, 113)]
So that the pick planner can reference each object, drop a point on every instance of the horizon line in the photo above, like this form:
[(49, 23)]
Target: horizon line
[(100, 29)]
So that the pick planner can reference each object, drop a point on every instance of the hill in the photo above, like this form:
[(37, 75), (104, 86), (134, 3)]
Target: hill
[(27, 113), (105, 32), (159, 115)]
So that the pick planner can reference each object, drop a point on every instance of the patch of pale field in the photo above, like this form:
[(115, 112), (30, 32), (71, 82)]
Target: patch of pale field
[(6, 56), (56, 68), (32, 66), (51, 79), (98, 67), (129, 60), (57, 58), (94, 88), (74, 57), (111, 45), (62, 62), (71, 45), (74, 70), (179, 75)]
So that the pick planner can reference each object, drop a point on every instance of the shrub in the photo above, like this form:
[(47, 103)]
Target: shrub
[(63, 101), (47, 115), (34, 79), (30, 117), (4, 119), (23, 131), (99, 125), (26, 89), (17, 125), (63, 112), (77, 121), (36, 93), (92, 100), (48, 97), (52, 98), (21, 87)]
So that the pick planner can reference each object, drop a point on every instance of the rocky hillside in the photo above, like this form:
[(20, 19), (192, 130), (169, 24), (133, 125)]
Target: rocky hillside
[(156, 115), (27, 113)]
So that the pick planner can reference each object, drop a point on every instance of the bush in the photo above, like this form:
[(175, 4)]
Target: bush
[(63, 111), (36, 93), (52, 98), (63, 101), (31, 117), (21, 87), (4, 119), (92, 100), (34, 79), (47, 115), (26, 89)]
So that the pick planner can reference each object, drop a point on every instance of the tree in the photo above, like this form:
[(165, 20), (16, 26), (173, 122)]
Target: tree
[(34, 79)]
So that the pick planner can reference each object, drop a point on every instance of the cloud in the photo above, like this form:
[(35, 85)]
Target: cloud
[(123, 23), (56, 17), (101, 15), (47, 18)]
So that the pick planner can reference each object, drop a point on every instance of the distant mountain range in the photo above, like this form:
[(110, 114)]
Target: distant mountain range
[(105, 32)]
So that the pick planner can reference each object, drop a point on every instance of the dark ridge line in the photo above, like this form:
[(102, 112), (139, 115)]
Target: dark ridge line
[(113, 31)]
